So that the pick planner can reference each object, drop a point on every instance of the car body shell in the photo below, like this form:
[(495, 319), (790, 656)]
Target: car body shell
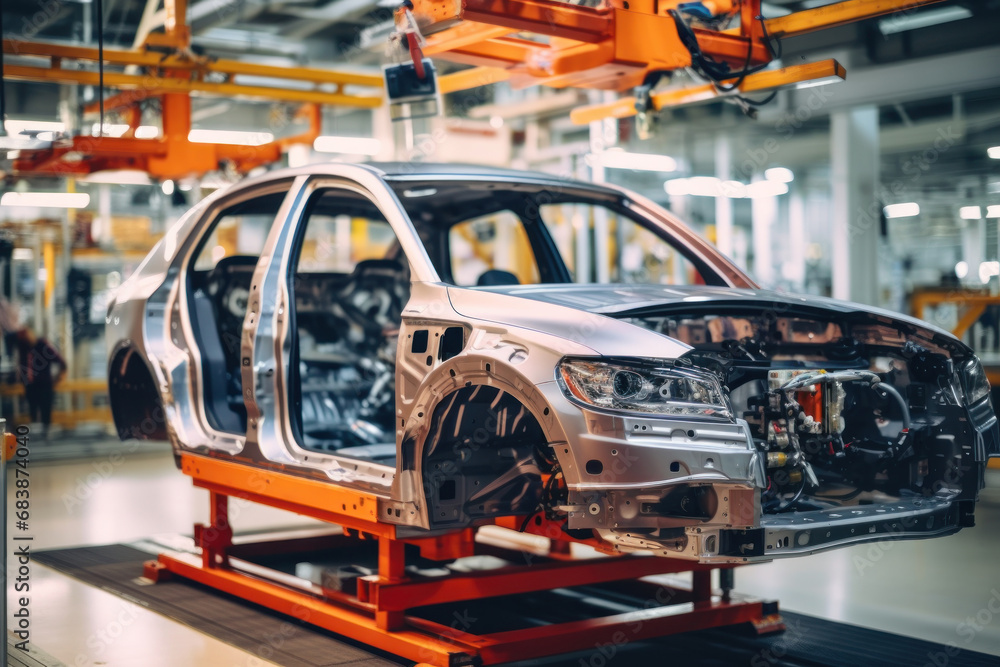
[(515, 336)]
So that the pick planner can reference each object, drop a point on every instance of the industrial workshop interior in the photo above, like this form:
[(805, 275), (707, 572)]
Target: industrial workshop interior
[(500, 332)]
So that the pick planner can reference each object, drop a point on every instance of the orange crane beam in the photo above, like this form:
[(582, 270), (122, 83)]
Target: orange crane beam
[(618, 44), (171, 72)]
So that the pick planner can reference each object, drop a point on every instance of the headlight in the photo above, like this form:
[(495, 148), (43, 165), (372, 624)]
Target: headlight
[(638, 386), (974, 381)]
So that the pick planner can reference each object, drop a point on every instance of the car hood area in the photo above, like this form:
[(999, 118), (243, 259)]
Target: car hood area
[(636, 301)]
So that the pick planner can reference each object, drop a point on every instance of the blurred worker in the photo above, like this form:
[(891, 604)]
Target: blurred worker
[(36, 357)]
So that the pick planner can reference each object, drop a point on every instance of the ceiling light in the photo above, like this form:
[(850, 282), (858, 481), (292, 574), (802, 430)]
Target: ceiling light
[(904, 210), (993, 211), (33, 126), (235, 137), (147, 132), (962, 270), (704, 186), (619, 159), (347, 145), (676, 186), (167, 187), (993, 152), (110, 129), (117, 177), (46, 199), (422, 192), (119, 129), (987, 270), (904, 21), (710, 186), (766, 189), (733, 189), (779, 174), (970, 213)]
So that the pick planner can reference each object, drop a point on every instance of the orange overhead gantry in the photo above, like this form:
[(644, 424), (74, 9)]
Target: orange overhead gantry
[(621, 45), (618, 45), (377, 609), (169, 71)]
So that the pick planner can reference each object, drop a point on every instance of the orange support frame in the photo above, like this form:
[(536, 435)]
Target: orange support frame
[(378, 612), (612, 46)]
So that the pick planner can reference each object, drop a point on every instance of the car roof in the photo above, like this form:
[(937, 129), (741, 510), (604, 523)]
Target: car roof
[(394, 170), (431, 171)]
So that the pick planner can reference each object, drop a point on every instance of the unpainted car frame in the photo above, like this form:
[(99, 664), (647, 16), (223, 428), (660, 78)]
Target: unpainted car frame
[(569, 399)]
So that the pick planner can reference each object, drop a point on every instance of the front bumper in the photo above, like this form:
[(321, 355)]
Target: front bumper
[(691, 490)]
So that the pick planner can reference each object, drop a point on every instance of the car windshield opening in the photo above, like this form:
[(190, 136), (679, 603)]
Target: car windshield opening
[(487, 234)]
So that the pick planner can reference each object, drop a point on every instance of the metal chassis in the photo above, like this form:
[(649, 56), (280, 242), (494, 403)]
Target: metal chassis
[(377, 613)]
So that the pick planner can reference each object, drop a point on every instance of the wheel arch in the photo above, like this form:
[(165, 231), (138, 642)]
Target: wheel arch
[(474, 442), (136, 405)]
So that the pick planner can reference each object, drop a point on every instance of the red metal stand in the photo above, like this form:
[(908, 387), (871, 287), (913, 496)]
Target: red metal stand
[(376, 613)]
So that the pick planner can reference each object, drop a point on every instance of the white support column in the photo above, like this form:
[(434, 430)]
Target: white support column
[(854, 150), (723, 205), (603, 135), (973, 248), (581, 228), (763, 216), (794, 264)]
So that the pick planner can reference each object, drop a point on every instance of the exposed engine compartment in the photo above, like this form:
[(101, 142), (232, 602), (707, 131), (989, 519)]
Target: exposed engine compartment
[(844, 414)]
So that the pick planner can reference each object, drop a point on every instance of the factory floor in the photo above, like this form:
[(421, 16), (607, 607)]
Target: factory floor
[(942, 590)]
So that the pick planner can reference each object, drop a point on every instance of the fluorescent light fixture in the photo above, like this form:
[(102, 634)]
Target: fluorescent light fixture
[(619, 159), (710, 186), (970, 213), (988, 270), (235, 137), (962, 270), (110, 129), (31, 126), (119, 129), (117, 177), (766, 189), (904, 210), (168, 187), (993, 211), (422, 192), (779, 174), (347, 145), (214, 182), (22, 255), (993, 151), (704, 186), (46, 199), (677, 186), (733, 189), (904, 21)]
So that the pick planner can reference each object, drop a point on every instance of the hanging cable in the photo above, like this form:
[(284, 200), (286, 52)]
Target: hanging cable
[(99, 6), (3, 93)]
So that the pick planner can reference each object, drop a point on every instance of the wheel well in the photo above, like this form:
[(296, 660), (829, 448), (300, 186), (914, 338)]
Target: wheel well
[(484, 457), (135, 401)]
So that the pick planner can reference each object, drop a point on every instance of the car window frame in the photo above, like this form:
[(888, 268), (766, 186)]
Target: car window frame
[(284, 380), (184, 261), (548, 262)]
